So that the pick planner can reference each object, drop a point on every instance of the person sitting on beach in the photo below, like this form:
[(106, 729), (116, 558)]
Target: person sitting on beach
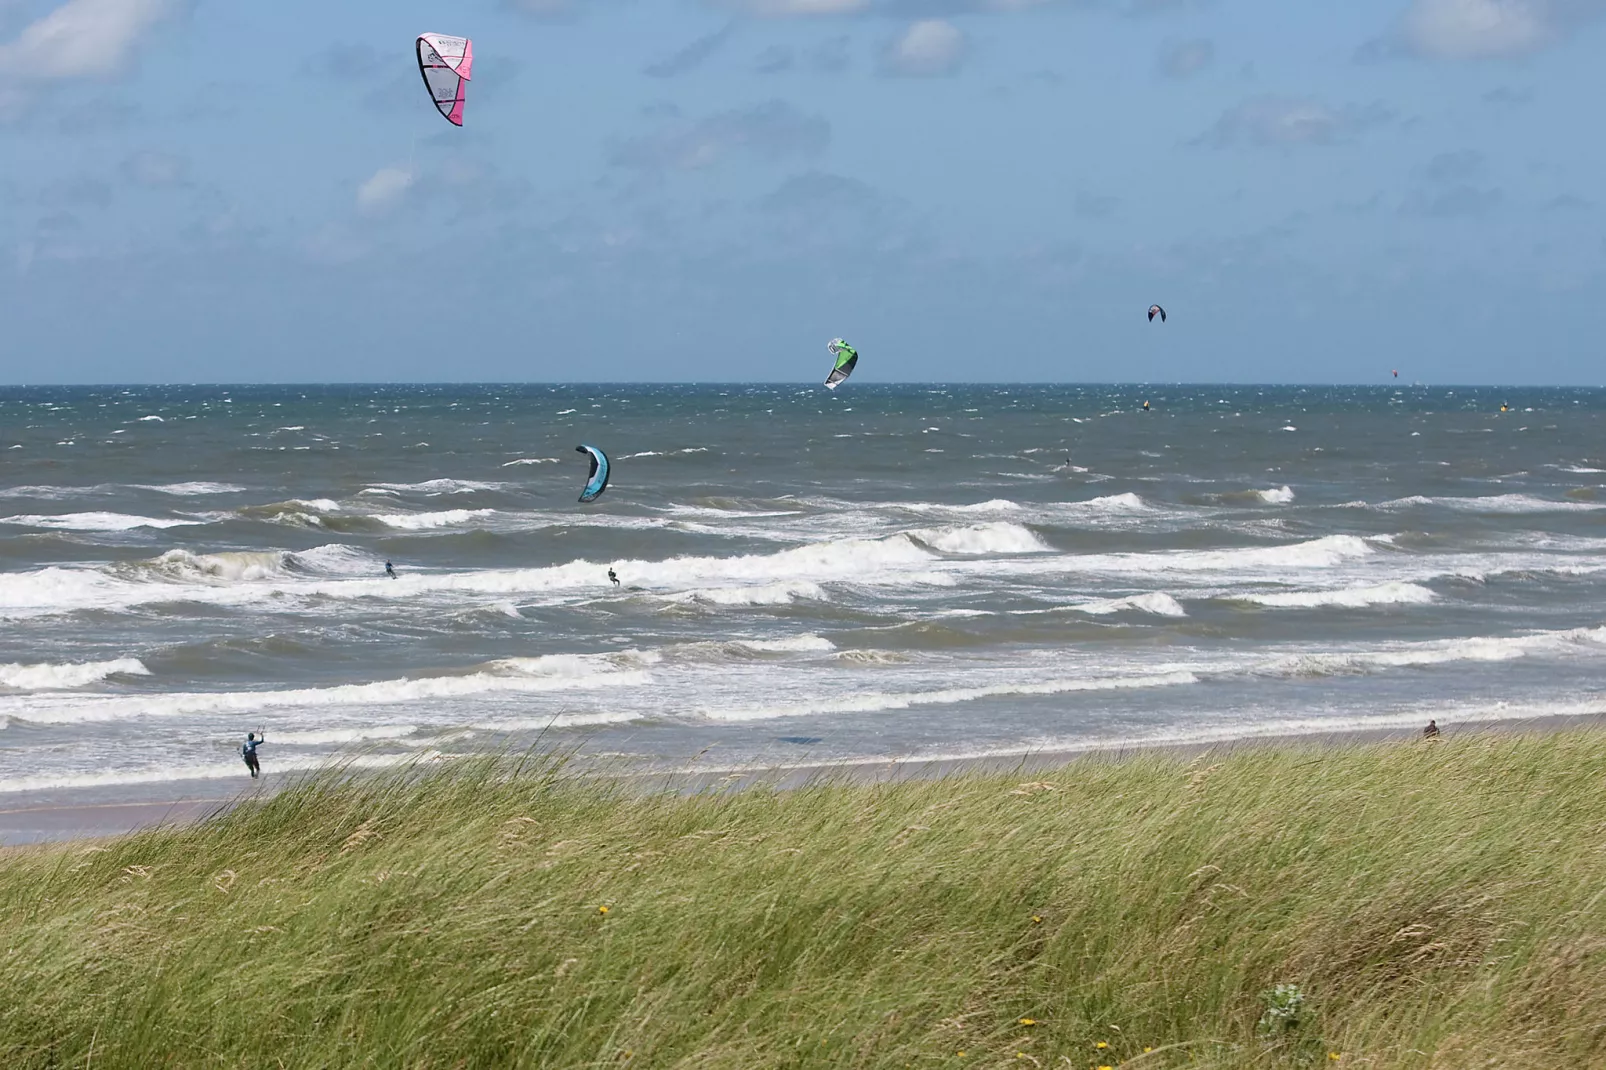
[(612, 576), (1431, 731), (248, 751), (390, 570)]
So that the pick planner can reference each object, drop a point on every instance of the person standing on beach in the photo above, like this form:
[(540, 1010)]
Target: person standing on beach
[(248, 751)]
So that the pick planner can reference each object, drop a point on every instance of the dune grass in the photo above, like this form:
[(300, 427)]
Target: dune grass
[(1430, 905)]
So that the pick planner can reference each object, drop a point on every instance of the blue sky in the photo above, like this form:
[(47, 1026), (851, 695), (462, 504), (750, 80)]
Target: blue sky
[(711, 189)]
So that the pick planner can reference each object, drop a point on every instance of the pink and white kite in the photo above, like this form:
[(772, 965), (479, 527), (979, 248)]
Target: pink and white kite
[(446, 63)]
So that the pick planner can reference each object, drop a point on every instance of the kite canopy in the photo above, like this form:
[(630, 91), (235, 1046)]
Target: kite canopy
[(1156, 310), (598, 482), (446, 64), (846, 357)]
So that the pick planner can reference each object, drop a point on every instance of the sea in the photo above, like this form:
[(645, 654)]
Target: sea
[(883, 573)]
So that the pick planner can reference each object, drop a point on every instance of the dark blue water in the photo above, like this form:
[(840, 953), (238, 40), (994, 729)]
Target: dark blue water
[(880, 572)]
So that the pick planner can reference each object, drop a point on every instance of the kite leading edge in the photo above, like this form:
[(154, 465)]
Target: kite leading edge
[(846, 357), (597, 482), (446, 64)]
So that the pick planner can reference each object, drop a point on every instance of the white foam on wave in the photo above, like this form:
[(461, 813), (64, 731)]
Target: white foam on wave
[(1383, 594), (714, 651), (1325, 552), (1156, 602), (244, 566), (190, 490), (797, 644), (45, 676), (552, 672), (1119, 504), (229, 770), (48, 492), (994, 505), (335, 736), (876, 702), (798, 570), (440, 486), (1277, 496), (186, 566), (999, 537), (1494, 503), (425, 521), (530, 460), (96, 521), (299, 512), (769, 594), (664, 453), (1438, 652)]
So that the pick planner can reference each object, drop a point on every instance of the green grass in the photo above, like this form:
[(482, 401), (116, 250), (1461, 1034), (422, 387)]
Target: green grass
[(1436, 905)]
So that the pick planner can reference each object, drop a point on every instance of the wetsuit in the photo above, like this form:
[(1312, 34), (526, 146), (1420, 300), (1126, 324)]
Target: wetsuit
[(248, 751), (612, 577), (390, 570)]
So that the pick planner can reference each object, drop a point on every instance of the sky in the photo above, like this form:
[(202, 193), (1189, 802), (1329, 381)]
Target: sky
[(710, 190)]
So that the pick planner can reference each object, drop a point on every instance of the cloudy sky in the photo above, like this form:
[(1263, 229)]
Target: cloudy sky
[(193, 190)]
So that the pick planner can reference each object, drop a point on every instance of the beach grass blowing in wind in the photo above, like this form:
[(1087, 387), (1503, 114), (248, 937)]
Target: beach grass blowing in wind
[(1422, 905)]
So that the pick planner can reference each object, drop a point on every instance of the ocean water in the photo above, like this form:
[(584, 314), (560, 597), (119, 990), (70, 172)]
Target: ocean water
[(879, 573)]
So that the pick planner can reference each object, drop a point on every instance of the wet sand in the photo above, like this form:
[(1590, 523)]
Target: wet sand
[(45, 824)]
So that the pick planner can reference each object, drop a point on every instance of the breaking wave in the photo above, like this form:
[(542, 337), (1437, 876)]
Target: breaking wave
[(1494, 503), (1408, 594), (1480, 648), (48, 677), (995, 538), (1157, 602), (96, 521), (551, 672), (876, 702)]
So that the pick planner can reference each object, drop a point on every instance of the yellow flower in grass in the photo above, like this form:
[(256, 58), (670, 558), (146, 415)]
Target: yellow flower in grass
[(1335, 1055), (602, 909), (1028, 1021), (1101, 1045), (1037, 919)]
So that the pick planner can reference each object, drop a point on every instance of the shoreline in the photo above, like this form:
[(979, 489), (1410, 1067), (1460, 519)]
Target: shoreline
[(24, 826)]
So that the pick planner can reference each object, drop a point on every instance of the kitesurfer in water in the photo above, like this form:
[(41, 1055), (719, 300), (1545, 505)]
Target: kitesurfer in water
[(1145, 406), (613, 577), (248, 751), (390, 570)]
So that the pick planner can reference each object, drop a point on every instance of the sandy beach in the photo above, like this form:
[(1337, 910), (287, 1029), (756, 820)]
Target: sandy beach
[(47, 824)]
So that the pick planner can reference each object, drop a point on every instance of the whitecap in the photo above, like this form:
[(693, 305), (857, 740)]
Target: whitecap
[(45, 676), (1410, 594)]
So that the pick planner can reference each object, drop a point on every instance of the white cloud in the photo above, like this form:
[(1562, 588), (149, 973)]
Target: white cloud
[(384, 190), (1271, 121), (930, 48), (1476, 29), (84, 38)]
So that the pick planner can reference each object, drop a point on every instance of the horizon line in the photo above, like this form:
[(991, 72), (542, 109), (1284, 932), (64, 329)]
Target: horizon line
[(616, 383)]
